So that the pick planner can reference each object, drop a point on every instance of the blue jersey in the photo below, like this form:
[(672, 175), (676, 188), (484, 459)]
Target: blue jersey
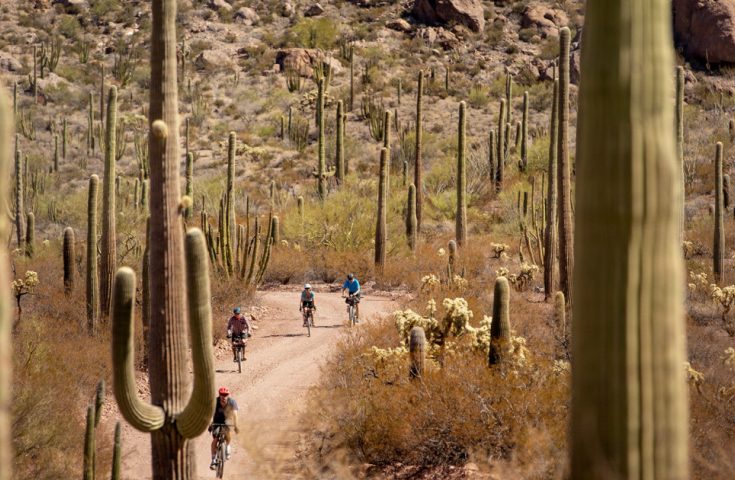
[(352, 286)]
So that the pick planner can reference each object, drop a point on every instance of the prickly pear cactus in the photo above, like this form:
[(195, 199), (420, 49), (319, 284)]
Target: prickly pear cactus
[(629, 395)]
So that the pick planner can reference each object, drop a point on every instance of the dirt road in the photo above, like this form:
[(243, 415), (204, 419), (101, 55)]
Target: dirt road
[(282, 363)]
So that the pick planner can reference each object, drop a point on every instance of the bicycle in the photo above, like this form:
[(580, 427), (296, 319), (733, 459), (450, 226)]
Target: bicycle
[(220, 431), (239, 342), (351, 313), (308, 319)]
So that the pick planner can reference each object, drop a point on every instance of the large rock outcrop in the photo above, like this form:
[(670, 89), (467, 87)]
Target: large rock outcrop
[(439, 12), (706, 29)]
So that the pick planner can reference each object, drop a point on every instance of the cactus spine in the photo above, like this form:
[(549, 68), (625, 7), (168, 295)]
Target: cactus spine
[(322, 162), (417, 351), (629, 400), (7, 122), (380, 228), (340, 146), (169, 421), (500, 326), (500, 155), (108, 257), (524, 134), (418, 165), (718, 244), (189, 182), (551, 203), (411, 218), (566, 251), (93, 305), (69, 254), (30, 234), (461, 216), (680, 140)]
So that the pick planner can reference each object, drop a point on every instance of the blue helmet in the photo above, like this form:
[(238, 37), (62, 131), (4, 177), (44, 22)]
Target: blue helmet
[(236, 310)]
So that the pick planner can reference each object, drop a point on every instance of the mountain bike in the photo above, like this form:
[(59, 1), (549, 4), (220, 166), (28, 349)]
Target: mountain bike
[(220, 432), (351, 313), (239, 342), (308, 319)]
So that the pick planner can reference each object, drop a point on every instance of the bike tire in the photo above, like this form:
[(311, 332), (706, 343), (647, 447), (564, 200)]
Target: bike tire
[(352, 315), (222, 454), (239, 360), (308, 328)]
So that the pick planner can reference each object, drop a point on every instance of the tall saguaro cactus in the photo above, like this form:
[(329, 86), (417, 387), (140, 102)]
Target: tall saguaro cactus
[(524, 134), (500, 326), (718, 243), (680, 139), (93, 300), (189, 182), (322, 160), (20, 230), (6, 456), (500, 156), (229, 224), (69, 254), (381, 227), (417, 350), (629, 395), (170, 421), (564, 185), (461, 215), (339, 154), (411, 218), (418, 164), (551, 192), (108, 257)]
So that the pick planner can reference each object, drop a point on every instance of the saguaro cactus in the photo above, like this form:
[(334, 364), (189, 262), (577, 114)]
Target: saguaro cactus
[(20, 213), (116, 454), (461, 216), (93, 305), (524, 134), (339, 157), (69, 254), (170, 422), (491, 157), (411, 218), (108, 257), (89, 444), (380, 227), (718, 243), (418, 165), (560, 314), (551, 203), (500, 156), (500, 326), (31, 233), (629, 395), (417, 351), (680, 139), (322, 160), (564, 186), (7, 122), (451, 260), (229, 224), (189, 183)]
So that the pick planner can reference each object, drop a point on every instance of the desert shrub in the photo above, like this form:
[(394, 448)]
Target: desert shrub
[(319, 33)]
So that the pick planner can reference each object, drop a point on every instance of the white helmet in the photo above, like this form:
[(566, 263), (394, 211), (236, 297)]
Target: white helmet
[(307, 287)]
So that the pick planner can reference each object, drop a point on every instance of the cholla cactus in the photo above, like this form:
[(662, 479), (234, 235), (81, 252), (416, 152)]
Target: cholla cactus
[(499, 249), (24, 286), (728, 358), (429, 282), (725, 297)]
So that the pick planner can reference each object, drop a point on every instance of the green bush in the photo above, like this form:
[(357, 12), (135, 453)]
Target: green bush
[(319, 33)]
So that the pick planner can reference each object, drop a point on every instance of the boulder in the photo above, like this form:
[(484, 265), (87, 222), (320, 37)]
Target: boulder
[(439, 12), (247, 16), (73, 7), (287, 9), (706, 29), (9, 63), (212, 60), (302, 60), (220, 5), (438, 36), (314, 11), (399, 25), (544, 19)]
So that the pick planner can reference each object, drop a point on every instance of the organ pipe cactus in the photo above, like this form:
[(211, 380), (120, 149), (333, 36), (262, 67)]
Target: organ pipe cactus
[(380, 227), (500, 326), (564, 206), (461, 215), (418, 164), (718, 243), (7, 122), (551, 203), (108, 257), (170, 422), (322, 161), (629, 394), (417, 351), (30, 234), (411, 218), (500, 155), (69, 254), (339, 158), (93, 306)]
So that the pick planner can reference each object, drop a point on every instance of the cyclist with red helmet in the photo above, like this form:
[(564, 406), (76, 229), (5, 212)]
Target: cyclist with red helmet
[(225, 413)]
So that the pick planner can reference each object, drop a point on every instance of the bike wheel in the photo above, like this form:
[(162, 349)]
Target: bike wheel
[(221, 457), (239, 360), (352, 315)]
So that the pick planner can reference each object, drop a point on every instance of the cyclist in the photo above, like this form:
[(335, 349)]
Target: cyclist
[(352, 287), (238, 326), (225, 412), (307, 301)]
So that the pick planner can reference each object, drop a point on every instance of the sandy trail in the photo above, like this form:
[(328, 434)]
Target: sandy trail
[(282, 363)]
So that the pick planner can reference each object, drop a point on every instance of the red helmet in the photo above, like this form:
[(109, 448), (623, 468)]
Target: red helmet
[(224, 391)]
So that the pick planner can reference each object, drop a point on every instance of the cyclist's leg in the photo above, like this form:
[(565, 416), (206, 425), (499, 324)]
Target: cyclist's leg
[(228, 438), (214, 450)]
